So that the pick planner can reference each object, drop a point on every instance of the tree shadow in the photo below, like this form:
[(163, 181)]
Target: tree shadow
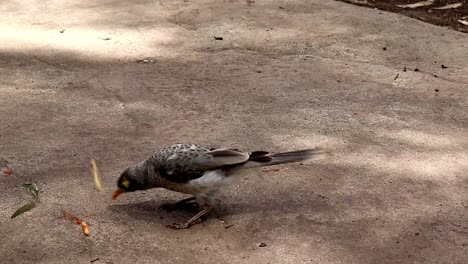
[(376, 199)]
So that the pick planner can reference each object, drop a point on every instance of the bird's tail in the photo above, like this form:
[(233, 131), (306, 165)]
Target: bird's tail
[(263, 158)]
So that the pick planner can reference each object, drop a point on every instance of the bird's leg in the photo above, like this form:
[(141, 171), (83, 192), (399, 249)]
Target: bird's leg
[(194, 220), (180, 204)]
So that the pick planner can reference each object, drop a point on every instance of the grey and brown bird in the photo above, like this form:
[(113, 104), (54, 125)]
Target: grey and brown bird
[(201, 172)]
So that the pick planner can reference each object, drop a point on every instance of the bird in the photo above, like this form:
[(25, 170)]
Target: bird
[(201, 172)]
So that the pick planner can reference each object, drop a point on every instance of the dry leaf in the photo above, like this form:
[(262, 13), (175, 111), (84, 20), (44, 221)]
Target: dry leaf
[(463, 21), (73, 218), (450, 6), (70, 216), (418, 4), (97, 176), (146, 61)]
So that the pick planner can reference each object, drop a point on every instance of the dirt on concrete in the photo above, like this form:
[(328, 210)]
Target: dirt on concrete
[(114, 80)]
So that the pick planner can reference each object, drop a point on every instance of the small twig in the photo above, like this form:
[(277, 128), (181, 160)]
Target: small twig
[(396, 77)]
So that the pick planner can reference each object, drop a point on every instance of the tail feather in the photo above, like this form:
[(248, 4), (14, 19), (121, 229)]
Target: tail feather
[(262, 158)]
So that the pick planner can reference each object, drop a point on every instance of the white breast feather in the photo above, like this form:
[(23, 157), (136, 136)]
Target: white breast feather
[(212, 181)]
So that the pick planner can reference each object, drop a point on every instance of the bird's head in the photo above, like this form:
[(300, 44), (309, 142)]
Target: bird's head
[(127, 183)]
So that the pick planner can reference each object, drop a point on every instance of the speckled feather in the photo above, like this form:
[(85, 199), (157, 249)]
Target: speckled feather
[(175, 163)]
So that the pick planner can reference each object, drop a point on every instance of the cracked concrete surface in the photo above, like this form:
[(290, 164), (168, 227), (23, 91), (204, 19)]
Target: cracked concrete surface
[(287, 75)]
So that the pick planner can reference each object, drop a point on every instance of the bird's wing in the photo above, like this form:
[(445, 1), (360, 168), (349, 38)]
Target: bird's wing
[(219, 158), (185, 164)]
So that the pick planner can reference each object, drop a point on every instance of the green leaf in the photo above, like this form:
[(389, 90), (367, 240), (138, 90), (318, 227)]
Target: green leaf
[(24, 208), (32, 187)]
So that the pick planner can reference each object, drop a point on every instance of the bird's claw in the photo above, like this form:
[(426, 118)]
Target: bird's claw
[(186, 225), (177, 226)]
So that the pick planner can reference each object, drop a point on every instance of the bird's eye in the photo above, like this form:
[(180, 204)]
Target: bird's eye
[(126, 184)]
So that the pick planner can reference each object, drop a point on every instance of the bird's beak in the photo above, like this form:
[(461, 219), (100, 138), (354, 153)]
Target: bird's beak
[(117, 193)]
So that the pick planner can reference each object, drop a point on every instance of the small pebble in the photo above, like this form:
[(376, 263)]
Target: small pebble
[(262, 245)]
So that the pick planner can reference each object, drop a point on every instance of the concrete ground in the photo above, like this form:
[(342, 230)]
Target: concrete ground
[(286, 75)]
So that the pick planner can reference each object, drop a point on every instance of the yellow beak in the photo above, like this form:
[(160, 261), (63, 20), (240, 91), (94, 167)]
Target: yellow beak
[(117, 193)]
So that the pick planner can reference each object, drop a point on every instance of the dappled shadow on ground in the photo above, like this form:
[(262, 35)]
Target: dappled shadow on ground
[(382, 194), (391, 190)]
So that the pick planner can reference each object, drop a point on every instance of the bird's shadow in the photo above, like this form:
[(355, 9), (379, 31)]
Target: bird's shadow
[(290, 198), (151, 211)]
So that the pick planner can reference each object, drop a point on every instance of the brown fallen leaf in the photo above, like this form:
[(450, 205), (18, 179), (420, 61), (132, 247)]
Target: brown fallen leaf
[(72, 217), (8, 171)]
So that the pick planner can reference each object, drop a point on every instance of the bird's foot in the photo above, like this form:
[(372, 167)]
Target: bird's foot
[(194, 220), (186, 225)]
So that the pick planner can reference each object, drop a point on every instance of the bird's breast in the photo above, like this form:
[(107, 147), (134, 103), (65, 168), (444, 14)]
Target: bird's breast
[(210, 182)]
